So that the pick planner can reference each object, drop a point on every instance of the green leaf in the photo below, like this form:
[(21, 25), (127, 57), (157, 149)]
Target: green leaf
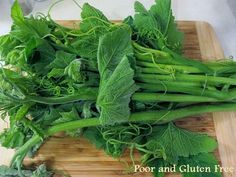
[(205, 161), (62, 60), (157, 25), (43, 56), (73, 70), (86, 111), (158, 164), (154, 149), (179, 142), (42, 171), (22, 111), (93, 18), (7, 45), (67, 117), (94, 136), (12, 172), (56, 73), (144, 21), (116, 83), (87, 46), (31, 45), (17, 13), (12, 138), (94, 24), (163, 12), (30, 28)]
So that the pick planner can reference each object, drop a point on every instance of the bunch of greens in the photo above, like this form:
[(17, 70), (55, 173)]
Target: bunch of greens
[(120, 85)]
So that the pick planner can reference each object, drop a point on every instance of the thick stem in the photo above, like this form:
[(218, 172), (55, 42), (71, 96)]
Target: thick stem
[(155, 78), (23, 150), (154, 68), (165, 116), (138, 96), (197, 95), (170, 87), (88, 122), (180, 98), (90, 94), (159, 117)]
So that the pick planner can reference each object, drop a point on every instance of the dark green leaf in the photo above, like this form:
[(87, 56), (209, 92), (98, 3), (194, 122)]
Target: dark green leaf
[(157, 25), (93, 18), (73, 70), (7, 45), (12, 138), (42, 171), (94, 136), (163, 12), (204, 161), (179, 142), (12, 172), (145, 22), (67, 117), (56, 73), (62, 60), (94, 24), (116, 83), (158, 164)]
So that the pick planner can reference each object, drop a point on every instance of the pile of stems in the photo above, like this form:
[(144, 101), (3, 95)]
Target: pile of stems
[(160, 117), (162, 79)]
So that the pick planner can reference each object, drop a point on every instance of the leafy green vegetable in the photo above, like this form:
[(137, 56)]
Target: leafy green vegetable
[(120, 85), (11, 172), (116, 83), (17, 13), (12, 138), (178, 142), (158, 24), (158, 163), (204, 161), (41, 171), (73, 70), (62, 60), (94, 24)]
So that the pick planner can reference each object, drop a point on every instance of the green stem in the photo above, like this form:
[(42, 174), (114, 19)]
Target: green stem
[(160, 117), (148, 67), (91, 94), (164, 116), (138, 96), (180, 87), (158, 53), (153, 68), (88, 122), (160, 97), (170, 55), (23, 150), (155, 78), (197, 94), (186, 61)]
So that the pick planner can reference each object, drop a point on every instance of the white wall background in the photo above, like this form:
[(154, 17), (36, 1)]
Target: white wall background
[(221, 14)]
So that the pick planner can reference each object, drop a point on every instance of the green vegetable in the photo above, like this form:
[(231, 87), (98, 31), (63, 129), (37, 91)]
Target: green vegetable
[(115, 72), (120, 85)]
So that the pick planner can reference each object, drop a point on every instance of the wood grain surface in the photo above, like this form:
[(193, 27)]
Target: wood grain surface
[(79, 158)]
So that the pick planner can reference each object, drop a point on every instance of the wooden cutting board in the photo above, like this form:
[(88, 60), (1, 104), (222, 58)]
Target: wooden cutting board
[(79, 158)]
